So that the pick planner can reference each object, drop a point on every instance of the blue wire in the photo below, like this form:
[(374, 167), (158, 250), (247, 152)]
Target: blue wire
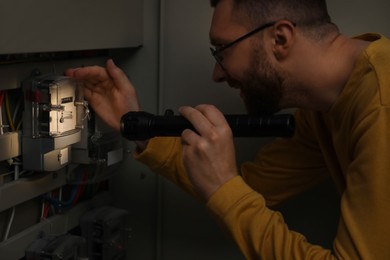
[(64, 205)]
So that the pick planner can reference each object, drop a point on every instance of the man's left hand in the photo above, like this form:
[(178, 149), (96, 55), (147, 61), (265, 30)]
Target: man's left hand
[(208, 154)]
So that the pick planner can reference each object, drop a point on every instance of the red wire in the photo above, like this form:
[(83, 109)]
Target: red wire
[(46, 210), (1, 97), (80, 189)]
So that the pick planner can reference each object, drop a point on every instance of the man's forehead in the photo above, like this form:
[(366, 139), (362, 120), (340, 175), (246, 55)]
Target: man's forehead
[(224, 22)]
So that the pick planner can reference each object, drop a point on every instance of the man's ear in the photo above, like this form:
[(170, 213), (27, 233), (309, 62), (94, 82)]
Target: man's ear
[(283, 37)]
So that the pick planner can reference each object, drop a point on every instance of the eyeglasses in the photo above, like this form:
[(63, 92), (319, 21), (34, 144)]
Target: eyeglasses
[(217, 53)]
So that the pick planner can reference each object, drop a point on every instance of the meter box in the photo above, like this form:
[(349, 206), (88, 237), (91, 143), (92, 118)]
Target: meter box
[(54, 110)]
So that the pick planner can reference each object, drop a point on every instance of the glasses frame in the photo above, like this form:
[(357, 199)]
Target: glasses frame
[(216, 52)]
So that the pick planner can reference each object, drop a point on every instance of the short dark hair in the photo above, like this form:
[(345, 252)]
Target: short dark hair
[(308, 14), (214, 3)]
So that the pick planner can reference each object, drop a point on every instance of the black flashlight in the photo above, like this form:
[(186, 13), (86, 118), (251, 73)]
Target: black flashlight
[(142, 125)]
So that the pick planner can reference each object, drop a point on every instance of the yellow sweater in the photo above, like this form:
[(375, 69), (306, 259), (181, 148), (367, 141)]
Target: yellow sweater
[(351, 143)]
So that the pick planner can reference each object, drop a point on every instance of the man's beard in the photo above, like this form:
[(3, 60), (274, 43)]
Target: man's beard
[(261, 87)]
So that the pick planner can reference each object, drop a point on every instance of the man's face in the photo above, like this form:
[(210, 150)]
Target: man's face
[(260, 84), (246, 65)]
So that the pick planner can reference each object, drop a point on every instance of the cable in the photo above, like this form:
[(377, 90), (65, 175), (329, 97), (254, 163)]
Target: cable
[(1, 121), (43, 209), (46, 212), (11, 220), (18, 125), (9, 112), (80, 190), (16, 112), (60, 205), (1, 97), (1, 112)]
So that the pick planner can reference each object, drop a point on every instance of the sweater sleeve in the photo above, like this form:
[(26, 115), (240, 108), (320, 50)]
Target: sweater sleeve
[(163, 156), (363, 231), (287, 167), (241, 211), (259, 232)]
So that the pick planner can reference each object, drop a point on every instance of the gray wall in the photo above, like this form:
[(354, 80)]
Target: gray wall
[(360, 16)]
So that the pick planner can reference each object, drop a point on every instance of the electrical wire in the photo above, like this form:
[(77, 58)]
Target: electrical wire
[(1, 97), (18, 125), (45, 210), (11, 123), (11, 219), (75, 195), (1, 112), (8, 112), (17, 107), (16, 112), (45, 206), (1, 122), (80, 190)]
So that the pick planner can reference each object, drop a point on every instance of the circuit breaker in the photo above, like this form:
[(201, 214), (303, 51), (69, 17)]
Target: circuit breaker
[(56, 247), (105, 232), (53, 117)]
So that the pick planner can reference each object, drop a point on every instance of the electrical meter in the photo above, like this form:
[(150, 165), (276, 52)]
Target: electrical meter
[(54, 110)]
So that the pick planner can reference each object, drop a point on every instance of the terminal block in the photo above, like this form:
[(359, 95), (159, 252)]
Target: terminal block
[(98, 155)]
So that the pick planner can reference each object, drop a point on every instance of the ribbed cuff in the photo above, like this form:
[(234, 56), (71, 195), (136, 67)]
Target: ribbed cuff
[(228, 195), (158, 152)]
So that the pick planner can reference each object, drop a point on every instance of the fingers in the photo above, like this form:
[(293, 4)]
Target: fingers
[(87, 93), (70, 72), (117, 75), (91, 74), (85, 78), (197, 119), (120, 79), (204, 118), (189, 137), (209, 157), (94, 75), (215, 116)]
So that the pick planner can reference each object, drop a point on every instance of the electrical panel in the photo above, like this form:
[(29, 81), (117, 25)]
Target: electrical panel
[(42, 123), (56, 157)]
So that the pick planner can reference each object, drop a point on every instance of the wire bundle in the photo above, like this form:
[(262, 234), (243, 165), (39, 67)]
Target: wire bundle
[(1, 112)]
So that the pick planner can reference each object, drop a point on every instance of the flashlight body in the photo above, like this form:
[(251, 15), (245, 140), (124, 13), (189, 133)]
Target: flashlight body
[(142, 125)]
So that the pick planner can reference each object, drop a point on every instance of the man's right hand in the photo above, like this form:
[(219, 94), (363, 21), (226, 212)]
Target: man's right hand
[(108, 91)]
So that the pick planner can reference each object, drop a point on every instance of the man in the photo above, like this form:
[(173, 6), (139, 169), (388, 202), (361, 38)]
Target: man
[(280, 54)]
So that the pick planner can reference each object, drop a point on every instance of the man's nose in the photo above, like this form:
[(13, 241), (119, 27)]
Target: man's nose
[(219, 74)]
